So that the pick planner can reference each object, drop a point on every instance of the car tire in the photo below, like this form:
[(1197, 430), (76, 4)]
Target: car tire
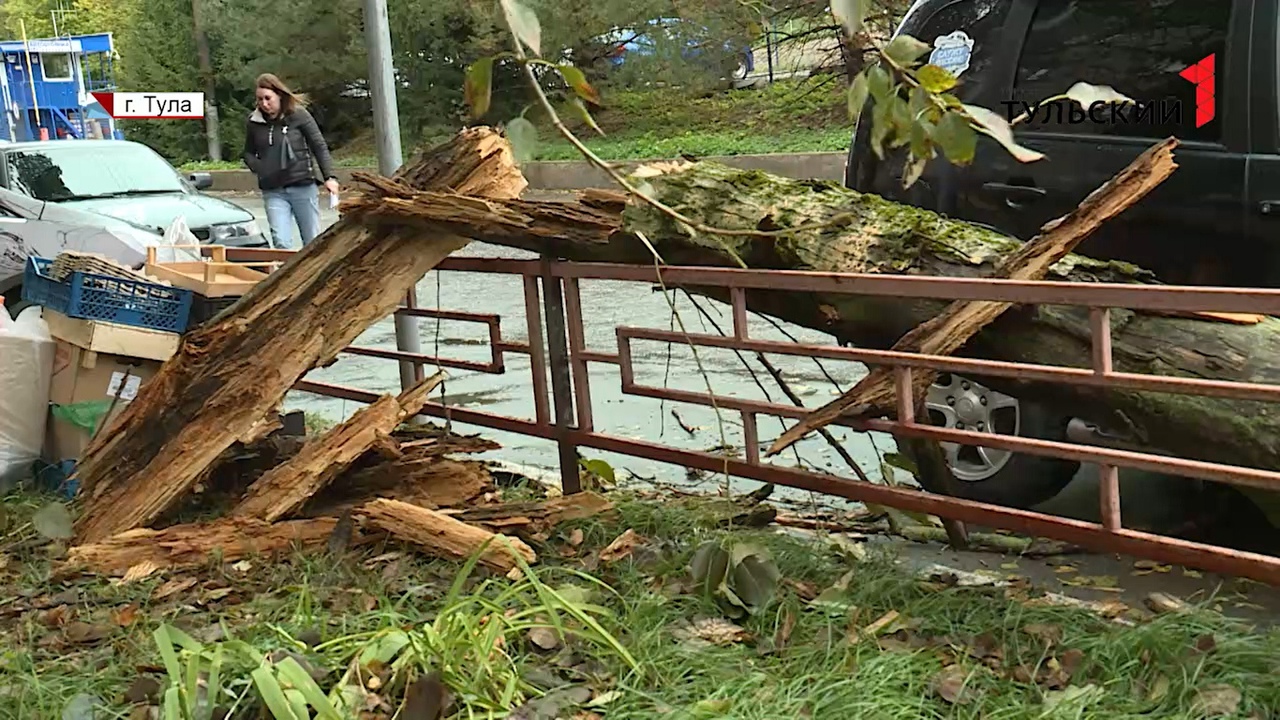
[(998, 477)]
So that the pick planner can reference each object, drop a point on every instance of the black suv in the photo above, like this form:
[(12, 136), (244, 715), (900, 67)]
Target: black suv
[(1213, 222)]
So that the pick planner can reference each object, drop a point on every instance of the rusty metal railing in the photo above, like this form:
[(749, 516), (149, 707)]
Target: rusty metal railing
[(563, 357)]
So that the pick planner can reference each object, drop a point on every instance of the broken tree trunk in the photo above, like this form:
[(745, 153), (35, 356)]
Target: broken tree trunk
[(286, 487), (443, 536), (228, 374), (864, 233), (947, 332)]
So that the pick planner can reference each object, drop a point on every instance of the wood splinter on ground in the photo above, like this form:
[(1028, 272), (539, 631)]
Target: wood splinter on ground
[(285, 488), (191, 545), (444, 536)]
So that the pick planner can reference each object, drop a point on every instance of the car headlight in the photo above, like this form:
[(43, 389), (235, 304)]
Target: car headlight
[(222, 233)]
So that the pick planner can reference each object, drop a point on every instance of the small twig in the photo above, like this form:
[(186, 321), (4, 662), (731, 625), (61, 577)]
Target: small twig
[(683, 425)]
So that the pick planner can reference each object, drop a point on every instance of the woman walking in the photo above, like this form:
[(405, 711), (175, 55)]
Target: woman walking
[(279, 143)]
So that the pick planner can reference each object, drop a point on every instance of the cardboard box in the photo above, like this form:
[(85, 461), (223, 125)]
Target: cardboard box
[(81, 375), (112, 338)]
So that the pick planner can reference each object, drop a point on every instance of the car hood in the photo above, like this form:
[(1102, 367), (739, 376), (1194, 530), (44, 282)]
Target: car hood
[(159, 211)]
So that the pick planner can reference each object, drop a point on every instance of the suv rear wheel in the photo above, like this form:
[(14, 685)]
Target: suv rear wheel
[(989, 475)]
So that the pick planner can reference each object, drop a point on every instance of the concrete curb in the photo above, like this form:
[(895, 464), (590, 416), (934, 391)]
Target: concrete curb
[(578, 175)]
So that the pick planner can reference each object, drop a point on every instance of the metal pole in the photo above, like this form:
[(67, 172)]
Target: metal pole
[(386, 129), (561, 383)]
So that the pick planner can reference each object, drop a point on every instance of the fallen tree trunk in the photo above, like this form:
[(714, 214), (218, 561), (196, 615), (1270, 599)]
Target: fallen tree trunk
[(864, 233), (228, 374)]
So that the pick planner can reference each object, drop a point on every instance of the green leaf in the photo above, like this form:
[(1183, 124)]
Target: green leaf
[(859, 91), (298, 703), (913, 170), (273, 695), (477, 90), (902, 462), (903, 121), (755, 580), (524, 23), (172, 704), (998, 128), (580, 109), (385, 648), (601, 468), (922, 139), (297, 676), (881, 126), (523, 136), (919, 102), (935, 79), (578, 81), (881, 84), (710, 565), (957, 138), (53, 521), (850, 14), (905, 50)]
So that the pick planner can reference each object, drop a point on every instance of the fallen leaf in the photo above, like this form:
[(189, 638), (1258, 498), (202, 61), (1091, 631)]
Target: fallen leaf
[(143, 690), (138, 572), (855, 551), (125, 616), (55, 617), (829, 313), (576, 537), (1065, 569), (710, 631), (985, 646), (1216, 701), (604, 698), (1097, 582), (880, 624), (172, 587), (83, 633), (425, 699), (804, 590), (53, 521), (1077, 695), (1187, 572), (1161, 603), (1159, 689), (242, 566), (949, 685), (621, 547), (1206, 644), (81, 707), (217, 594), (1050, 634), (783, 634), (544, 638), (1071, 661)]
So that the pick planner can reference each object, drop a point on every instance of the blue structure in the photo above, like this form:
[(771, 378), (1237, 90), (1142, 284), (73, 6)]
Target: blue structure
[(46, 85)]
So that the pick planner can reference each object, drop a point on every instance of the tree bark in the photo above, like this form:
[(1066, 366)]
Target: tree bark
[(208, 79), (228, 374), (444, 536), (864, 233)]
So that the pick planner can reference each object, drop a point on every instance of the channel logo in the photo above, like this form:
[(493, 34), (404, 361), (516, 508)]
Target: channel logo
[(1201, 75)]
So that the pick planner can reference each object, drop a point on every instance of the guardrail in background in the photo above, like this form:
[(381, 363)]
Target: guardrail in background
[(563, 357)]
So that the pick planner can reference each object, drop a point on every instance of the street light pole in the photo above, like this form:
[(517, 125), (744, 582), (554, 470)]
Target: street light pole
[(386, 124)]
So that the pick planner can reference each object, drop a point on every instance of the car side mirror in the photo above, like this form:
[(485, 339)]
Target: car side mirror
[(201, 180)]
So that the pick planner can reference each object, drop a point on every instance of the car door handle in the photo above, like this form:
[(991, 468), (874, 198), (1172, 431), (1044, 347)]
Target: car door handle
[(1269, 207)]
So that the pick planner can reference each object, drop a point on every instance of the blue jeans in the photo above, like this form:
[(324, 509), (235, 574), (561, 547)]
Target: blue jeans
[(287, 204)]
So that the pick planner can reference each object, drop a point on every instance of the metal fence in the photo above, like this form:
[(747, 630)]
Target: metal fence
[(563, 409)]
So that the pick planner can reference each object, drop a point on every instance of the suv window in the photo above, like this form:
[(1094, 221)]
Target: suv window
[(1138, 47), (981, 21)]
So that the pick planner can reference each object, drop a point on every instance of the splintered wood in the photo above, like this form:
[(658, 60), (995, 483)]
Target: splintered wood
[(286, 487), (440, 534), (189, 546)]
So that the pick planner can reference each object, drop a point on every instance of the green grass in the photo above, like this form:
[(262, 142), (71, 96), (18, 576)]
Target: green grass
[(790, 116), (1152, 669)]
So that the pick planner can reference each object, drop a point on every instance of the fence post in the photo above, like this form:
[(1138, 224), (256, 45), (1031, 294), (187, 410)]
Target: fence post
[(561, 388)]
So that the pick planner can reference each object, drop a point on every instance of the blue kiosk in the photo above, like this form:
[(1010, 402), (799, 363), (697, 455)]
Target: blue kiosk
[(46, 85)]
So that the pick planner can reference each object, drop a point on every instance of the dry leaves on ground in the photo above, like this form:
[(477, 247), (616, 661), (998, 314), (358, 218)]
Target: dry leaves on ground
[(949, 684), (1215, 701), (621, 547), (705, 632)]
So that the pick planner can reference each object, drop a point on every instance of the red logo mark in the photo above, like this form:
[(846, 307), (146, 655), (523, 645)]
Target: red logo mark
[(1201, 75)]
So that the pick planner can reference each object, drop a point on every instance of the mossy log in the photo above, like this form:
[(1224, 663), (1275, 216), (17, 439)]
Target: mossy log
[(863, 233)]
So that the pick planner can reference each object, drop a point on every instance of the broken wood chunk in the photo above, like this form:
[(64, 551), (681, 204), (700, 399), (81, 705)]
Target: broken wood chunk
[(443, 536), (231, 372), (192, 545), (529, 518), (430, 483), (286, 487)]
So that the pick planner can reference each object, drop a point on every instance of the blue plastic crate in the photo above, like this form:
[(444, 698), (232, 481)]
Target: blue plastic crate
[(92, 296)]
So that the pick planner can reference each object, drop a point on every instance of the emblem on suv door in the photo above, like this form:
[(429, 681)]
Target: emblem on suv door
[(952, 52)]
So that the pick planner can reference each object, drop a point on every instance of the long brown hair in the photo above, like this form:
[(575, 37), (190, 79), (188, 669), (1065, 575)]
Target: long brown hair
[(289, 100)]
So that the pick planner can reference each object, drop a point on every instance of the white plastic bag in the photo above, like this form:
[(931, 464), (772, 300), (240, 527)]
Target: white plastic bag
[(26, 370), (175, 235)]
